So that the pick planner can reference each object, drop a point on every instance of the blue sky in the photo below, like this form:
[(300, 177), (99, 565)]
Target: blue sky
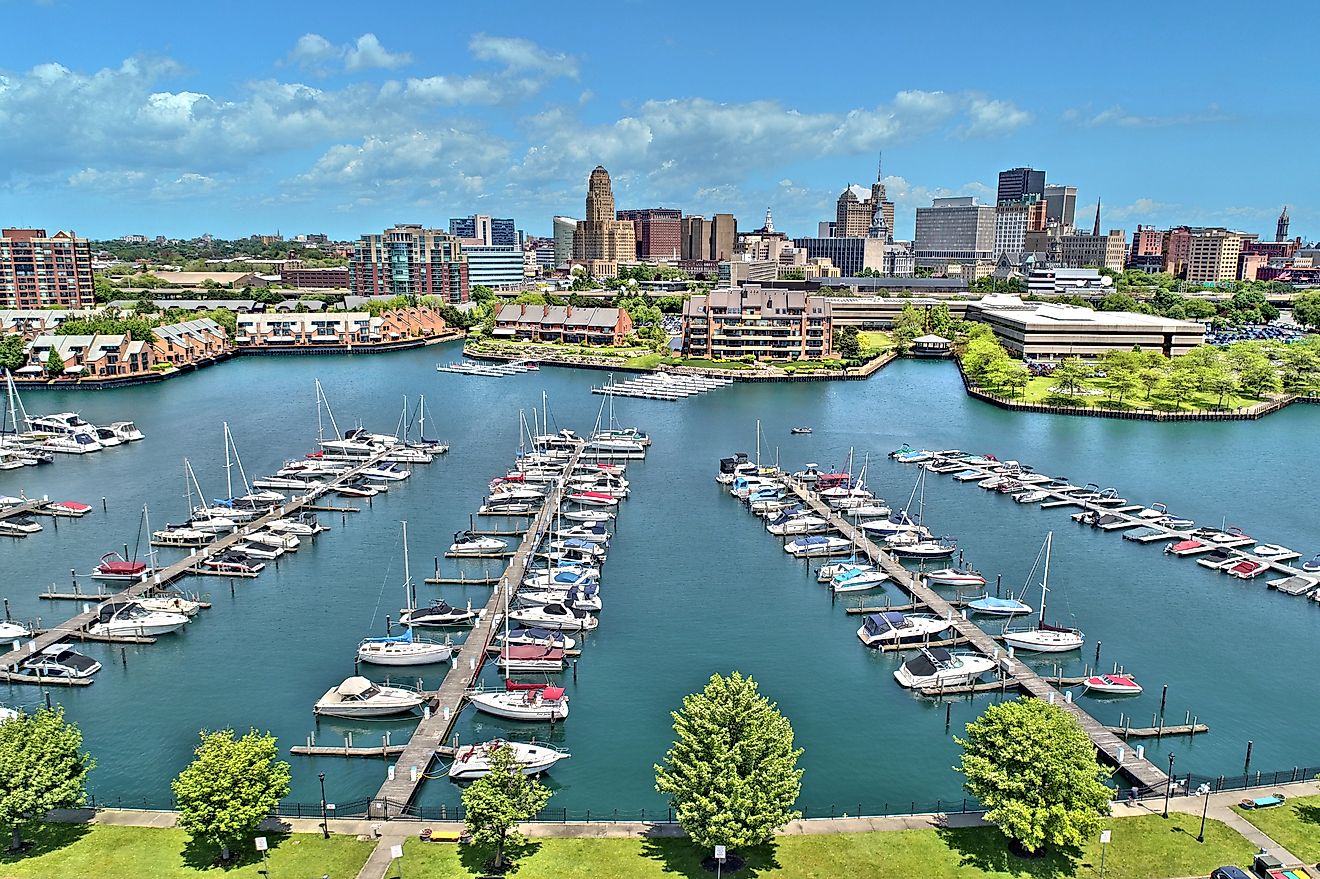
[(236, 118)]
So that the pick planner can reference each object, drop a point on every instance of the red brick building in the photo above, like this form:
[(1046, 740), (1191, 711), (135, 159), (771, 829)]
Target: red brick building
[(37, 271), (657, 231)]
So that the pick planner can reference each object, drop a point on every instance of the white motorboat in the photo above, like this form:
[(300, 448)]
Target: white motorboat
[(923, 549), (563, 577), (817, 545), (1045, 638), (470, 544), (289, 483), (171, 604), (555, 616), (106, 437), (857, 580), (296, 527), (869, 510), (523, 702), (474, 761), (359, 697), (529, 658), (955, 577), (1273, 552), (11, 631), (126, 431), (998, 607), (60, 661), (1035, 496), (19, 525), (285, 542), (593, 499), (1116, 684), (788, 524), (575, 547), (588, 517), (585, 597), (596, 533), (131, 618), (187, 537), (404, 649), (893, 627), (937, 667), (257, 550), (385, 473), (828, 571)]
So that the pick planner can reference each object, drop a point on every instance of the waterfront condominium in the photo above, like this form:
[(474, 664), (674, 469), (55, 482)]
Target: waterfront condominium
[(40, 271), (768, 324), (409, 260)]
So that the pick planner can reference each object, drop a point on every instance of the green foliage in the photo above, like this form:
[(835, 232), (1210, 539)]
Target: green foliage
[(13, 352), (1034, 769), (908, 325), (1071, 376), (481, 293), (42, 767), (847, 343), (1118, 302), (980, 357), (495, 803), (640, 309), (106, 323), (144, 305), (997, 285), (1306, 309), (231, 786), (102, 290), (54, 364), (732, 771)]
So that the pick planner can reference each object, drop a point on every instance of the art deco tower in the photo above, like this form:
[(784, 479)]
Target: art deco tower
[(600, 238)]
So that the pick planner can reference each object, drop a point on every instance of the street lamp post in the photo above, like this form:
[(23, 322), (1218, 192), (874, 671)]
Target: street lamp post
[(325, 823), (1203, 790), (1168, 788)]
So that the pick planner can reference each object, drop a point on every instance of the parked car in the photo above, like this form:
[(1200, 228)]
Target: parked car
[(1229, 872)]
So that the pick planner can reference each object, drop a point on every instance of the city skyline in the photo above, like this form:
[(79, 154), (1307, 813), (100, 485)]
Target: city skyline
[(117, 126)]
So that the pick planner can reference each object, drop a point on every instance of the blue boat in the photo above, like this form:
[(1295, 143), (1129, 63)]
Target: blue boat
[(1313, 566), (999, 607)]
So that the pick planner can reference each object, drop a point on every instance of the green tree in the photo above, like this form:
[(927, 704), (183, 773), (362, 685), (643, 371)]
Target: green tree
[(1034, 769), (1198, 309), (847, 343), (1256, 373), (1118, 302), (1180, 382), (13, 352), (1306, 309), (981, 357), (54, 364), (910, 323), (42, 767), (1300, 366), (732, 771), (1071, 376), (230, 787), (940, 321), (495, 803), (102, 290), (1123, 381)]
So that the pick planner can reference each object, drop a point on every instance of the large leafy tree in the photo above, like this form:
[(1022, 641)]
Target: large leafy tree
[(1034, 769), (1306, 308), (732, 771), (495, 803), (42, 767), (13, 352), (230, 787)]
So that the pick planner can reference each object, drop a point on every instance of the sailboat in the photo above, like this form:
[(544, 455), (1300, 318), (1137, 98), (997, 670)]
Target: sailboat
[(517, 701), (1045, 638), (405, 649)]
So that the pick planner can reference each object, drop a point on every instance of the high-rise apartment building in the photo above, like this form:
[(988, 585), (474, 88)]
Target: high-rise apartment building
[(1212, 255), (484, 230), (563, 235), (658, 232), (409, 260), (1020, 186), (1177, 246), (694, 238), (954, 230), (1060, 204), (601, 241), (723, 236), (38, 271)]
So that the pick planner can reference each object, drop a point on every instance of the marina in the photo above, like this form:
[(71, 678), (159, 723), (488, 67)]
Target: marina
[(690, 579), (662, 386)]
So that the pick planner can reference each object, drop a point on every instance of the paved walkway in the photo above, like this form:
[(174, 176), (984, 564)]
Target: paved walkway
[(397, 831)]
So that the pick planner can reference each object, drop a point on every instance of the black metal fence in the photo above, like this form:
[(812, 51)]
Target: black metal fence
[(1183, 785)]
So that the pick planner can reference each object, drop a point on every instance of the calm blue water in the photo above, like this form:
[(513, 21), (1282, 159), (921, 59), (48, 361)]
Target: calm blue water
[(693, 586)]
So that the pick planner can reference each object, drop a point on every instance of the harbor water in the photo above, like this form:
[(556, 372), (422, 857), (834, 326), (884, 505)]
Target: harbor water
[(693, 586)]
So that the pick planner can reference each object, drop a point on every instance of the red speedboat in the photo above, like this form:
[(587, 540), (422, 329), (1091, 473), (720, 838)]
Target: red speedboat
[(113, 566), (1112, 685)]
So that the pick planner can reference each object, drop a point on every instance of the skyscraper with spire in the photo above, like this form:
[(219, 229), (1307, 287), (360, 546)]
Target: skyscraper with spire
[(856, 209), (1281, 228)]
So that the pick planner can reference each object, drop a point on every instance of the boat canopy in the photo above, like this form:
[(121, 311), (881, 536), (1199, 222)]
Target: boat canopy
[(928, 662), (890, 620), (996, 603), (355, 686), (553, 694), (405, 638)]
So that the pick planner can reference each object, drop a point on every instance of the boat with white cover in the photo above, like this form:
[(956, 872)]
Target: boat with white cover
[(359, 697), (857, 580), (530, 702), (893, 627), (131, 618), (405, 649), (817, 545), (467, 543), (555, 616)]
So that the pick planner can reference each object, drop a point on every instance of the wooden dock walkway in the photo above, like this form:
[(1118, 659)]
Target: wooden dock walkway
[(76, 627), (1115, 750), (397, 794), (21, 509)]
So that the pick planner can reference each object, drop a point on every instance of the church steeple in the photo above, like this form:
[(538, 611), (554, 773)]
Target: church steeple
[(769, 222), (1095, 230), (1281, 228)]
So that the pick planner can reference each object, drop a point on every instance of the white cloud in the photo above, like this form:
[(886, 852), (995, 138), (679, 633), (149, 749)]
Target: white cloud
[(516, 53), (991, 117), (1117, 116), (1142, 209), (104, 180), (314, 49), (369, 53)]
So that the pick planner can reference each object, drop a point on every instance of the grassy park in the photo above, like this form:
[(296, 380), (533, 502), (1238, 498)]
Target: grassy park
[(82, 851), (1295, 825), (1142, 848)]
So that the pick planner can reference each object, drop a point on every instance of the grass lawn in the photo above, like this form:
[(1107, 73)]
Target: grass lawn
[(1295, 825), (80, 851), (1038, 391), (645, 361), (875, 342), (1142, 848)]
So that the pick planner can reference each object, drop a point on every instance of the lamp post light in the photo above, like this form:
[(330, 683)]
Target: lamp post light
[(1203, 790), (325, 824), (1168, 788)]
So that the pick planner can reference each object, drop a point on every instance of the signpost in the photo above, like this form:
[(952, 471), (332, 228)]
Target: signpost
[(720, 854), (265, 865), (1104, 844), (396, 854)]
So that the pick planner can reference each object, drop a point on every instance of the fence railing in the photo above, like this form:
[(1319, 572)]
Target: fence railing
[(1183, 785)]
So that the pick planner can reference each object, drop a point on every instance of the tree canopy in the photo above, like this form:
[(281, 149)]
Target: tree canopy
[(42, 767), (13, 352), (1034, 769), (1306, 309), (732, 771), (230, 787), (495, 803)]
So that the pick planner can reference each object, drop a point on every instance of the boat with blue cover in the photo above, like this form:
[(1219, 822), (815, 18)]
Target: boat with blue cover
[(857, 580)]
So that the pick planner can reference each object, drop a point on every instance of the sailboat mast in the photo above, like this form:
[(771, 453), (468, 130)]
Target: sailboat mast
[(758, 445), (1045, 581), (229, 465), (409, 593), (151, 550), (238, 461)]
